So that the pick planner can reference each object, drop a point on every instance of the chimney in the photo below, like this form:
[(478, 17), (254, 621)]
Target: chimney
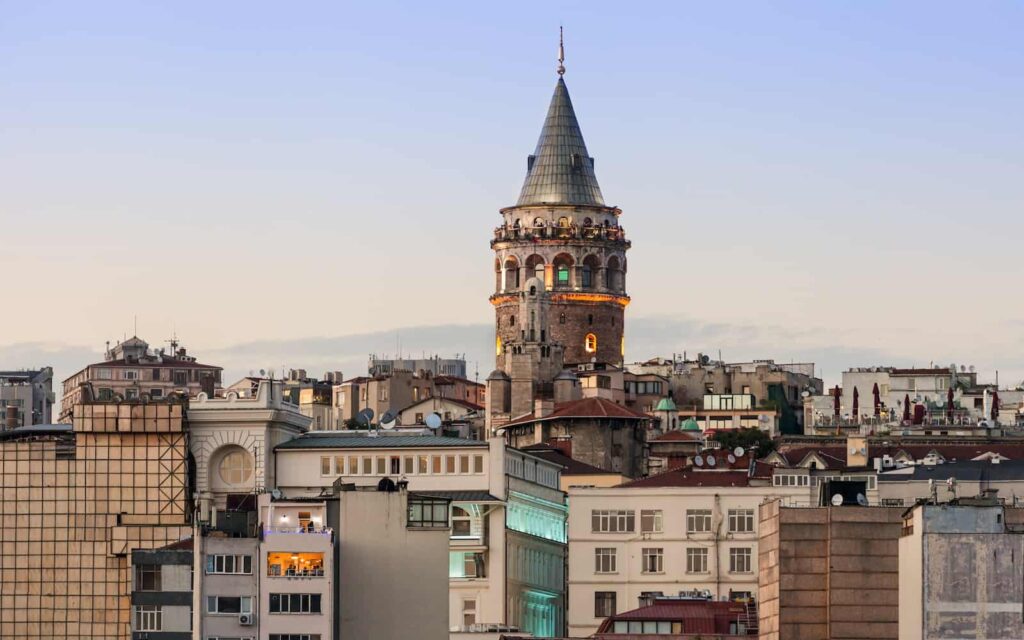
[(542, 407), (564, 445), (11, 419)]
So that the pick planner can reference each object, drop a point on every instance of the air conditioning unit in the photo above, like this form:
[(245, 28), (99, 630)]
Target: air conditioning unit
[(245, 619)]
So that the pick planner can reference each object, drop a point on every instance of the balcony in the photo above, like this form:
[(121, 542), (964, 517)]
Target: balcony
[(507, 233)]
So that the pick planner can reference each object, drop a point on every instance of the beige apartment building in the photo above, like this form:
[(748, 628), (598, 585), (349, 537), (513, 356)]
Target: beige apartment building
[(26, 397), (76, 501), (131, 370), (678, 532)]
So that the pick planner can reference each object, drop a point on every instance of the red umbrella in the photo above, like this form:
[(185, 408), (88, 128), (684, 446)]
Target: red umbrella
[(995, 405), (906, 408), (949, 404), (878, 400), (856, 403), (835, 393)]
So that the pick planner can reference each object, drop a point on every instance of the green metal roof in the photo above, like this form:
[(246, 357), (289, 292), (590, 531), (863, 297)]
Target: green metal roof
[(690, 425), (352, 441), (665, 404)]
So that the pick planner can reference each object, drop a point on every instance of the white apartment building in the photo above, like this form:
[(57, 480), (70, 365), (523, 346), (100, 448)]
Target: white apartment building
[(508, 514), (679, 531)]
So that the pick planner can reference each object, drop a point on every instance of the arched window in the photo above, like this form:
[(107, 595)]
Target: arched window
[(538, 222), (236, 467), (497, 345), (588, 276), (511, 273), (588, 273), (563, 222), (511, 321), (516, 223), (590, 318), (563, 271), (461, 522), (587, 222), (561, 318), (590, 343), (563, 275)]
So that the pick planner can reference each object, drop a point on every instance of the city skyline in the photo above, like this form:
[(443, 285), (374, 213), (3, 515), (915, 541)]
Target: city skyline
[(230, 178)]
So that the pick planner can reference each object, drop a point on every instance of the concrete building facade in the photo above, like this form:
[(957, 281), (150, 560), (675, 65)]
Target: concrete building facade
[(162, 592), (26, 398)]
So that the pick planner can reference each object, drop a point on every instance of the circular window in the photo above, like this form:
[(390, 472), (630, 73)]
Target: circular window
[(236, 467)]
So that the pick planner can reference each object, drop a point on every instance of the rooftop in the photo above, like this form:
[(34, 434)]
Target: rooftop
[(336, 440), (585, 408), (570, 467)]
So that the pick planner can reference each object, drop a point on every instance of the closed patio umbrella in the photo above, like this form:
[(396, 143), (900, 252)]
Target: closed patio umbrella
[(878, 400), (949, 404), (906, 408), (856, 404), (835, 401)]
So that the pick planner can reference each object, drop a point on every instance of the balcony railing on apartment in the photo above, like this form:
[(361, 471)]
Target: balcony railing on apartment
[(937, 418), (324, 531)]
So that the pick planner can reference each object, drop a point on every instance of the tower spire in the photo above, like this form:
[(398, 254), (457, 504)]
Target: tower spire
[(561, 53)]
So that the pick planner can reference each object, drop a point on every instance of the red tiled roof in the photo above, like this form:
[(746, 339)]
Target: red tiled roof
[(697, 616), (835, 455), (585, 408), (692, 478), (455, 380), (180, 545), (147, 364)]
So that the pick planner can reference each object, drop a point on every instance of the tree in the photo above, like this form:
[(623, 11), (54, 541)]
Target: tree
[(746, 438)]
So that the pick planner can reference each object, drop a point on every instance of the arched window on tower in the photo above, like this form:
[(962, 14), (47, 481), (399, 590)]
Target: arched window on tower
[(563, 271), (511, 273), (497, 345), (590, 343), (563, 222), (588, 272)]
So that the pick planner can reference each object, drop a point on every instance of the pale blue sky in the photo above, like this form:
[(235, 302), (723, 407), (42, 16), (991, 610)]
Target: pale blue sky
[(843, 177)]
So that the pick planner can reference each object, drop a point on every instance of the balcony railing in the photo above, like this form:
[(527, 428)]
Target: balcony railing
[(506, 233), (323, 531)]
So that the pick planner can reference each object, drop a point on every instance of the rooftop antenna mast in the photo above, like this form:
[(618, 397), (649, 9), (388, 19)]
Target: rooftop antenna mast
[(561, 53)]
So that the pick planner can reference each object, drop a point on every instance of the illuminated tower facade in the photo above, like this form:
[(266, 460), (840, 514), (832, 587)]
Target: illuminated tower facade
[(560, 243)]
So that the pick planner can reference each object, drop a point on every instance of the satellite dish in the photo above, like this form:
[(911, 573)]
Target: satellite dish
[(862, 500), (731, 458), (738, 452), (837, 500), (276, 493), (806, 394), (711, 461), (698, 461), (365, 417), (433, 421), (263, 373), (387, 421)]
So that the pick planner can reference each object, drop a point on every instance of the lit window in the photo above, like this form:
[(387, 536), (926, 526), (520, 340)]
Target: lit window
[(497, 345), (590, 343), (236, 467), (308, 565)]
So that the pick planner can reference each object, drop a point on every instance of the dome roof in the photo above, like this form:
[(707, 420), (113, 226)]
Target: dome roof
[(690, 425), (665, 404)]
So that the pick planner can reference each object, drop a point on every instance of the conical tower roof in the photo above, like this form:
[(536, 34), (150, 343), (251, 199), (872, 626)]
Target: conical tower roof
[(561, 171)]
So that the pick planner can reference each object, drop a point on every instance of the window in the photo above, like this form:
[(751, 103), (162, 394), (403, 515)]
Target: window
[(463, 464), (468, 612), (478, 464), (741, 520), (512, 319), (604, 521), (562, 277), (428, 512), (590, 343), (367, 466), (103, 374), (588, 274), (561, 318), (466, 565), (308, 565), (156, 394), (604, 604), (353, 465), (396, 465), (131, 374), (228, 604), (653, 560), (422, 464), (698, 520), (604, 560), (460, 522), (650, 521), (449, 464), (295, 603), (131, 393), (147, 577), (382, 465), (181, 378), (739, 560), (696, 560), (408, 463), (295, 636), (435, 463), (236, 467), (220, 563), (148, 617), (325, 466), (339, 465)]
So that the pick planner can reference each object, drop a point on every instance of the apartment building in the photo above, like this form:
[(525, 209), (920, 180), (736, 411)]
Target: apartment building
[(681, 532), (162, 592), (26, 397), (131, 370), (507, 546)]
